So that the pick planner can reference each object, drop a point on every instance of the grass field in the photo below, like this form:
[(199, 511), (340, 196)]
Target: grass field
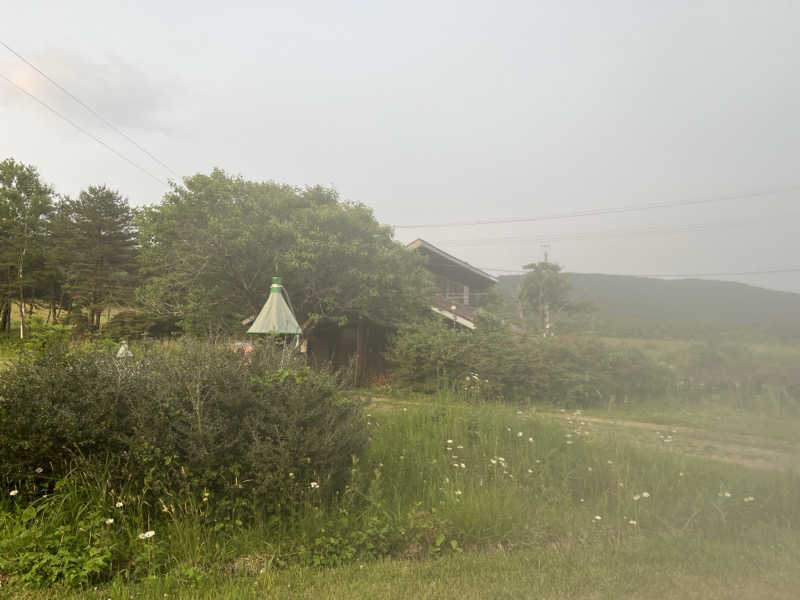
[(527, 505), (655, 569)]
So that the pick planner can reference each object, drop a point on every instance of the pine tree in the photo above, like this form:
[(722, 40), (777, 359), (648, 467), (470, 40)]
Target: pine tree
[(103, 251), (26, 206)]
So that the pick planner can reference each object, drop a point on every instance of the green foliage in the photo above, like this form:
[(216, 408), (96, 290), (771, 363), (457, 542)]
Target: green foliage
[(133, 325), (184, 420), (211, 247), (102, 242), (43, 336), (70, 254), (26, 206), (44, 544), (491, 362), (543, 299), (437, 479)]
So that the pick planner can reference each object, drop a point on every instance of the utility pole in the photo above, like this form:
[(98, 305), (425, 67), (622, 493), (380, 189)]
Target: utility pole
[(544, 307)]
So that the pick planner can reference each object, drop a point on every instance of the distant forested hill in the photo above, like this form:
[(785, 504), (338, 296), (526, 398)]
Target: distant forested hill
[(631, 305)]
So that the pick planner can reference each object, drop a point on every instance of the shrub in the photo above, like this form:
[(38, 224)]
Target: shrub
[(188, 420), (493, 362), (132, 325)]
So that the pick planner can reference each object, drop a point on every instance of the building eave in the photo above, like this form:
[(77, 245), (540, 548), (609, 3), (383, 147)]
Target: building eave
[(453, 317), (421, 244)]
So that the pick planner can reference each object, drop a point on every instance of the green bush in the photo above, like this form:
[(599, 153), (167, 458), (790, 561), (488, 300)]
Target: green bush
[(183, 420), (492, 362), (132, 325)]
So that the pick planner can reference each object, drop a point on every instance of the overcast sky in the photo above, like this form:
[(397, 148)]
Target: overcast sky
[(434, 112)]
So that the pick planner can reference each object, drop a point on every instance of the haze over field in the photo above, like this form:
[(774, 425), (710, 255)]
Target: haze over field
[(444, 112)]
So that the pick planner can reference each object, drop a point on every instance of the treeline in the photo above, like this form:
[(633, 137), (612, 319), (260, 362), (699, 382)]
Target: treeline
[(73, 257), (201, 260)]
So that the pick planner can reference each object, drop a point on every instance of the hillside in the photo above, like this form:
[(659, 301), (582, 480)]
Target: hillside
[(632, 302)]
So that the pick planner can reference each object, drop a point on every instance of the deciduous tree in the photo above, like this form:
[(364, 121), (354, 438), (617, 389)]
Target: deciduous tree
[(210, 248)]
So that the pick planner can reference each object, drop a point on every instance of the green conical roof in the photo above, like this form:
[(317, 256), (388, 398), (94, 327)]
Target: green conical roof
[(276, 316)]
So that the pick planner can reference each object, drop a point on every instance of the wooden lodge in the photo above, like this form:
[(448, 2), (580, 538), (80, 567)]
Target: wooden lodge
[(460, 290)]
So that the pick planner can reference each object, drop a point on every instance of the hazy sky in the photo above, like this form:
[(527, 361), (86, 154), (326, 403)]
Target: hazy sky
[(435, 112)]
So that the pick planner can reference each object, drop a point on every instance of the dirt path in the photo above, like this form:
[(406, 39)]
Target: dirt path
[(748, 450)]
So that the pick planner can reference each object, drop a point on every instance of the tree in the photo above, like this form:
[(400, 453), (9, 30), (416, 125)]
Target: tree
[(210, 248), (544, 295), (26, 206), (103, 251)]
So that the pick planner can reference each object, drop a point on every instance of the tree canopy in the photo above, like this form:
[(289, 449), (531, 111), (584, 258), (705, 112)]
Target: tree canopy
[(103, 244), (26, 205), (544, 296), (209, 250)]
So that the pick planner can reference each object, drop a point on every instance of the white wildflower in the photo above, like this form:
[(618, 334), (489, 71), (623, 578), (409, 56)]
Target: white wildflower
[(645, 494), (457, 492), (39, 470), (459, 447), (13, 492), (493, 461), (597, 518), (569, 442), (109, 521), (749, 499), (314, 485), (636, 497), (519, 434), (119, 505), (449, 441), (631, 522), (463, 466), (147, 535), (727, 494)]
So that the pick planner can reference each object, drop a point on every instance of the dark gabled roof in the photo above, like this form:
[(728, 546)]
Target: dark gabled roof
[(420, 244)]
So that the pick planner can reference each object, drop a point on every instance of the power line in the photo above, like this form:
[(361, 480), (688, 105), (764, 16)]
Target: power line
[(728, 274), (606, 211), (616, 233), (97, 115), (83, 131), (667, 275)]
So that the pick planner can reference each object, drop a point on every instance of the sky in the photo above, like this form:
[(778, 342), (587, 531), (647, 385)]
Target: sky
[(443, 112)]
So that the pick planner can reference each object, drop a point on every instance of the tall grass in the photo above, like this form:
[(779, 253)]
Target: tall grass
[(440, 478)]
